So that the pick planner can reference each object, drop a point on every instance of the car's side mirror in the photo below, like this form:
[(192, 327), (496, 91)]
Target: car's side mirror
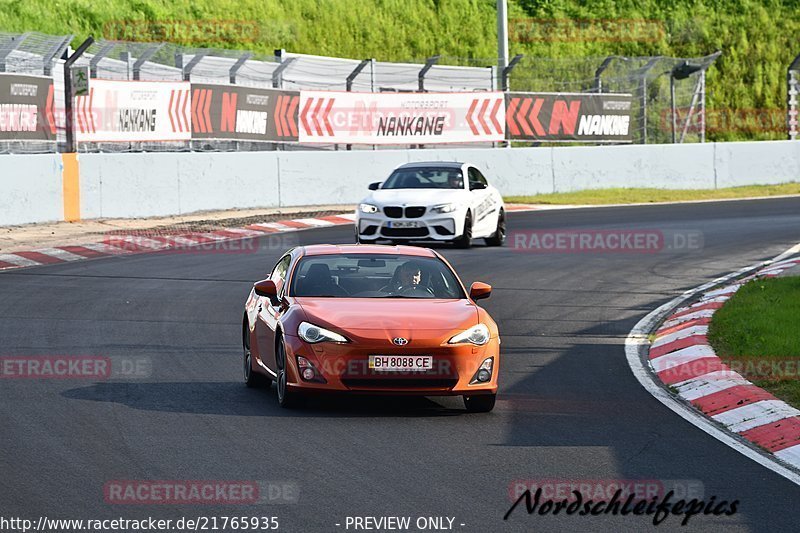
[(375, 185), (480, 291), (476, 185), (268, 289)]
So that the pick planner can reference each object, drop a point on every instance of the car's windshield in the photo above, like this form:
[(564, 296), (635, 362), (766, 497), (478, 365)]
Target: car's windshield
[(425, 178), (374, 276)]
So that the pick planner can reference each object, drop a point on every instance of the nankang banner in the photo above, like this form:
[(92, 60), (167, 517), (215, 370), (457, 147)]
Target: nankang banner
[(564, 117), (133, 111), (400, 118), (26, 108), (244, 113)]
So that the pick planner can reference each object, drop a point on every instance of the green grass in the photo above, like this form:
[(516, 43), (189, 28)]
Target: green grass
[(635, 196), (762, 321), (758, 38)]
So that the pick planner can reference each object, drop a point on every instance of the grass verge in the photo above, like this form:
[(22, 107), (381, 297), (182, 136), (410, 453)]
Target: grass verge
[(636, 196), (758, 331)]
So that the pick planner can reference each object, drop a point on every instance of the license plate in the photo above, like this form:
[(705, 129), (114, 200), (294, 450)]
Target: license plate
[(395, 363), (403, 224)]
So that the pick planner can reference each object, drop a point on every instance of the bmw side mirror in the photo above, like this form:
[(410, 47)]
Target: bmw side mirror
[(480, 291), (375, 185), (476, 185)]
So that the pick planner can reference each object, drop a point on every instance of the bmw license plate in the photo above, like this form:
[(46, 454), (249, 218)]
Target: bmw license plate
[(399, 363), (403, 224)]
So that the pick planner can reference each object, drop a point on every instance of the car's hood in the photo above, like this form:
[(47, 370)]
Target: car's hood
[(395, 316), (426, 197)]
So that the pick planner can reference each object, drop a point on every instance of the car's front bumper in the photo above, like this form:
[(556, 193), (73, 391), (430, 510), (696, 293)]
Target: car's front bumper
[(431, 226), (345, 368)]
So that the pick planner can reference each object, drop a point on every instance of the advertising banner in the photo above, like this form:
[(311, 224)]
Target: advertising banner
[(244, 113), (400, 118), (564, 117), (26, 108), (133, 111)]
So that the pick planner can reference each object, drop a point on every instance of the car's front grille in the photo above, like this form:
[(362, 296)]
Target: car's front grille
[(415, 212), (404, 232), (400, 383), (393, 211)]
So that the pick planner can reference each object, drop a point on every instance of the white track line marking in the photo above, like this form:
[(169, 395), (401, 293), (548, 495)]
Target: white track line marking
[(681, 357), (313, 222), (60, 254), (705, 313), (637, 341), (678, 335), (710, 383)]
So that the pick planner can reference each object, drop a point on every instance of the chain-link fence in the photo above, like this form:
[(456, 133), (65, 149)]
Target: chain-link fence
[(668, 94)]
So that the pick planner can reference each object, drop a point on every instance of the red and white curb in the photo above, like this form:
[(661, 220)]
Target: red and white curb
[(151, 241), (724, 403)]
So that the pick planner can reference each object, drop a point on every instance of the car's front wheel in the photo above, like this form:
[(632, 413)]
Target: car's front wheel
[(466, 237), (498, 238), (481, 403), (286, 398)]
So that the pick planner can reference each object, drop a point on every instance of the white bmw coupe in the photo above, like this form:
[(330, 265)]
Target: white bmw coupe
[(433, 201)]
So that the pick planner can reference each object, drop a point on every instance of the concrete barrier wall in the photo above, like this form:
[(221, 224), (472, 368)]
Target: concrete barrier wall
[(155, 184)]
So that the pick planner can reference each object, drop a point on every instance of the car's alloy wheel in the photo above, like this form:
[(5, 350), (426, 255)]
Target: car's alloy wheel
[(498, 238), (286, 398), (465, 241), (481, 403), (252, 379)]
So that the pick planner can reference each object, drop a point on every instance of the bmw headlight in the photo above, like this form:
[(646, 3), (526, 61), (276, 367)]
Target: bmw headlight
[(314, 334), (444, 208), (368, 208), (478, 335)]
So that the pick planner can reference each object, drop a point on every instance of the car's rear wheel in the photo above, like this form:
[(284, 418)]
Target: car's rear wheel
[(286, 398), (498, 238), (480, 403), (465, 241), (252, 378)]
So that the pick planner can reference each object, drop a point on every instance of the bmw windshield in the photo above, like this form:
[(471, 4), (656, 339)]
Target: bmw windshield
[(374, 276), (425, 178)]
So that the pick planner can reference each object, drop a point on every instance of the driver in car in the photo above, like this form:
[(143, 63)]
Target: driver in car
[(407, 277), (454, 180)]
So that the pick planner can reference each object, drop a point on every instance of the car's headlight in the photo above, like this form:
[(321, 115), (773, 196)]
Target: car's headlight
[(478, 335), (444, 208), (314, 334), (368, 208)]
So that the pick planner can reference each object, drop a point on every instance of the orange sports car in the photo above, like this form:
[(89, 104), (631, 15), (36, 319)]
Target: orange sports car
[(370, 319)]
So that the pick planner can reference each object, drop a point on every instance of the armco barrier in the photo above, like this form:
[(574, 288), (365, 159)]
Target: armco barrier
[(157, 184)]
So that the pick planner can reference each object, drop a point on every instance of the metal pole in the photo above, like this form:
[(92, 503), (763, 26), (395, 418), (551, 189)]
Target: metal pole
[(146, 55), (672, 99), (96, 58), (236, 66), (187, 69), (703, 106), (502, 35), (429, 63), (792, 90), (70, 123), (505, 71)]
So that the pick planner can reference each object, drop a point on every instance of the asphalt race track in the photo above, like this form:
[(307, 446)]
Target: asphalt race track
[(569, 407)]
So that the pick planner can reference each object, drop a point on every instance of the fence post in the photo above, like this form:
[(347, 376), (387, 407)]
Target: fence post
[(9, 47), (792, 90), (507, 70), (429, 63), (70, 123), (236, 66), (146, 55)]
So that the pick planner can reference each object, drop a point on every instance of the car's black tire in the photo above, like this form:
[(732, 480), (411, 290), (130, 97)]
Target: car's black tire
[(286, 397), (498, 238), (480, 403), (252, 378), (465, 241)]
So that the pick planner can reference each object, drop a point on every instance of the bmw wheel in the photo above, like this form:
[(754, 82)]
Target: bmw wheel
[(498, 238), (465, 241)]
